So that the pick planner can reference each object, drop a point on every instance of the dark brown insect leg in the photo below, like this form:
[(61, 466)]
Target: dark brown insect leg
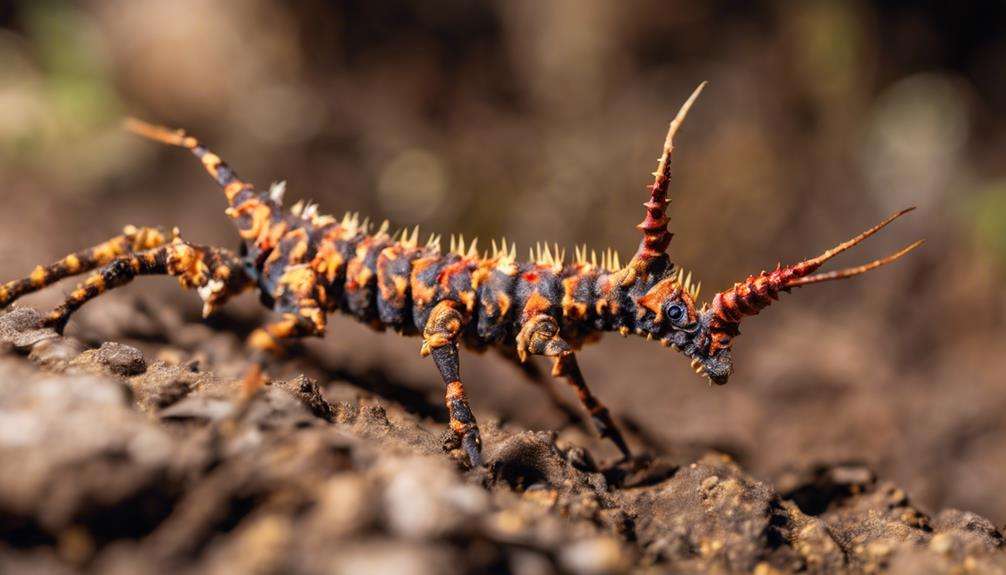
[(194, 266), (540, 336), (132, 239), (538, 378), (440, 341), (567, 366), (271, 340), (118, 272)]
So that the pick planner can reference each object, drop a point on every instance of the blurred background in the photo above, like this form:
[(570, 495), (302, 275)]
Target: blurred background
[(542, 121)]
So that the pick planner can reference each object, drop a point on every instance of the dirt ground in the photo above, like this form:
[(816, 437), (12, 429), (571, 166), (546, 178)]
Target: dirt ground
[(117, 460)]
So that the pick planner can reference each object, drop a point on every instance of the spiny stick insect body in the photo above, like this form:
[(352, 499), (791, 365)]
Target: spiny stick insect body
[(306, 265)]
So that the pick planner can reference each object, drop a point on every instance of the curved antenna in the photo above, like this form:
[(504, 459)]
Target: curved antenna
[(756, 293)]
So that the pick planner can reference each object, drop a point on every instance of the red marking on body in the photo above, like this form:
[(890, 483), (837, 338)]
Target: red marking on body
[(450, 271)]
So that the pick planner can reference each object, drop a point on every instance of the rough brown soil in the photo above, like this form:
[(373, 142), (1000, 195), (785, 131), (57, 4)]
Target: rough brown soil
[(113, 460)]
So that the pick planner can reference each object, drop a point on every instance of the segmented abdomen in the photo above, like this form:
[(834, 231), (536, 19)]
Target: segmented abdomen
[(388, 283)]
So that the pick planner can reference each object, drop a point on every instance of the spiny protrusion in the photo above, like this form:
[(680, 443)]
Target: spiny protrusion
[(433, 243), (610, 260), (411, 240), (463, 249), (505, 256), (276, 191), (685, 281), (350, 221), (307, 211), (545, 255), (310, 211)]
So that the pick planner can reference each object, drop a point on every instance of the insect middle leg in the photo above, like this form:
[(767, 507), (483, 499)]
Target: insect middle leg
[(540, 336), (539, 379), (132, 239), (440, 339), (270, 340)]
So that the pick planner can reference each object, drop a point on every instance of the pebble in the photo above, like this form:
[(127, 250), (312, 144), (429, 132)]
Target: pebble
[(597, 555), (121, 359)]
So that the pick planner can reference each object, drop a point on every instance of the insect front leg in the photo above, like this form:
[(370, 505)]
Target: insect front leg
[(132, 239), (540, 336), (440, 339)]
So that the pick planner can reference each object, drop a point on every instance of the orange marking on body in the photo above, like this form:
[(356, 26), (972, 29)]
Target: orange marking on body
[(327, 261), (212, 162), (258, 212), (401, 286), (468, 299), (536, 304), (106, 252), (72, 263), (449, 271), (317, 318), (421, 292), (455, 390), (95, 281), (572, 308), (37, 276), (299, 279), (503, 301), (481, 274), (600, 306), (233, 189), (654, 299)]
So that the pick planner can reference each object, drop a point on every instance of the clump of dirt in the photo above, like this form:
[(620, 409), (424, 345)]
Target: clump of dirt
[(114, 461)]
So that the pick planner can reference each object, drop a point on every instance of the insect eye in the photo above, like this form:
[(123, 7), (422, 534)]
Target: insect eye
[(677, 313)]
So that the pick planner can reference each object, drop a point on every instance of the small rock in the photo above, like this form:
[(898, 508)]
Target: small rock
[(345, 506), (942, 543), (581, 459), (56, 350), (308, 392), (395, 557), (198, 407), (425, 498), (595, 556), (121, 359), (21, 328)]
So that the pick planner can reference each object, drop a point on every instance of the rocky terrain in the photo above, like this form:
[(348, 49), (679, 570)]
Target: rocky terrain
[(117, 460)]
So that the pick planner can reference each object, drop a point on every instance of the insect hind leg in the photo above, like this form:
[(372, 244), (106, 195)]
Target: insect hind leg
[(132, 239), (215, 272)]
